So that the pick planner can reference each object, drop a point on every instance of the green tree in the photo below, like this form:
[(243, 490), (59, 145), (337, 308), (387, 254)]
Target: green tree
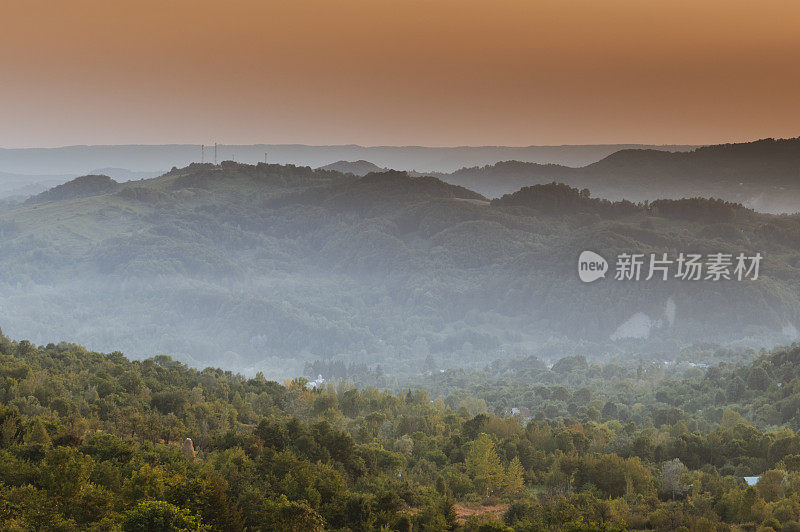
[(294, 516), (484, 466), (65, 471), (37, 434), (515, 479), (770, 485), (758, 379), (160, 516)]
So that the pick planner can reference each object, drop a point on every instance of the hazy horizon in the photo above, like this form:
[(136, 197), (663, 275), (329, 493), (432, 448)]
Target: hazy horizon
[(84, 159), (340, 145)]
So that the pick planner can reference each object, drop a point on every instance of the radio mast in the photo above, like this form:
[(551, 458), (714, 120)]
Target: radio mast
[(202, 153), (215, 154)]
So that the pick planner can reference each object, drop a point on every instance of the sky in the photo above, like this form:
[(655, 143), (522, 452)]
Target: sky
[(398, 72)]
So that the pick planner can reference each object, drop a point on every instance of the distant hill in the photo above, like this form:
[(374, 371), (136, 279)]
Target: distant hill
[(379, 192), (767, 161), (267, 267), (157, 158), (506, 177), (25, 191), (764, 174), (80, 187), (360, 167), (13, 184)]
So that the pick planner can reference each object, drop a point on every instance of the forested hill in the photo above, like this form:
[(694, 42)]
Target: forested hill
[(268, 267), (360, 167), (80, 187), (764, 174), (94, 441)]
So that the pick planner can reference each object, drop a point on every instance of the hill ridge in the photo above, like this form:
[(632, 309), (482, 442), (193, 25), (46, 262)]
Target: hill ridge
[(80, 187)]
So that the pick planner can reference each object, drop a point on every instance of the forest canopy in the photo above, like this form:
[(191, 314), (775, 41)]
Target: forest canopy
[(96, 441), (271, 267)]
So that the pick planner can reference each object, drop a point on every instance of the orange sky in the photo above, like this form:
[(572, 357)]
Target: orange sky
[(432, 72)]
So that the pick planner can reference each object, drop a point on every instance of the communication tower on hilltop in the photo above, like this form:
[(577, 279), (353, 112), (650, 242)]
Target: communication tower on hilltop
[(202, 153), (215, 154)]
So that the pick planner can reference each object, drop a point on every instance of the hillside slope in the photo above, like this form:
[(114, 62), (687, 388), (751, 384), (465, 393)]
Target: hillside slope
[(764, 174), (80, 187), (267, 267)]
